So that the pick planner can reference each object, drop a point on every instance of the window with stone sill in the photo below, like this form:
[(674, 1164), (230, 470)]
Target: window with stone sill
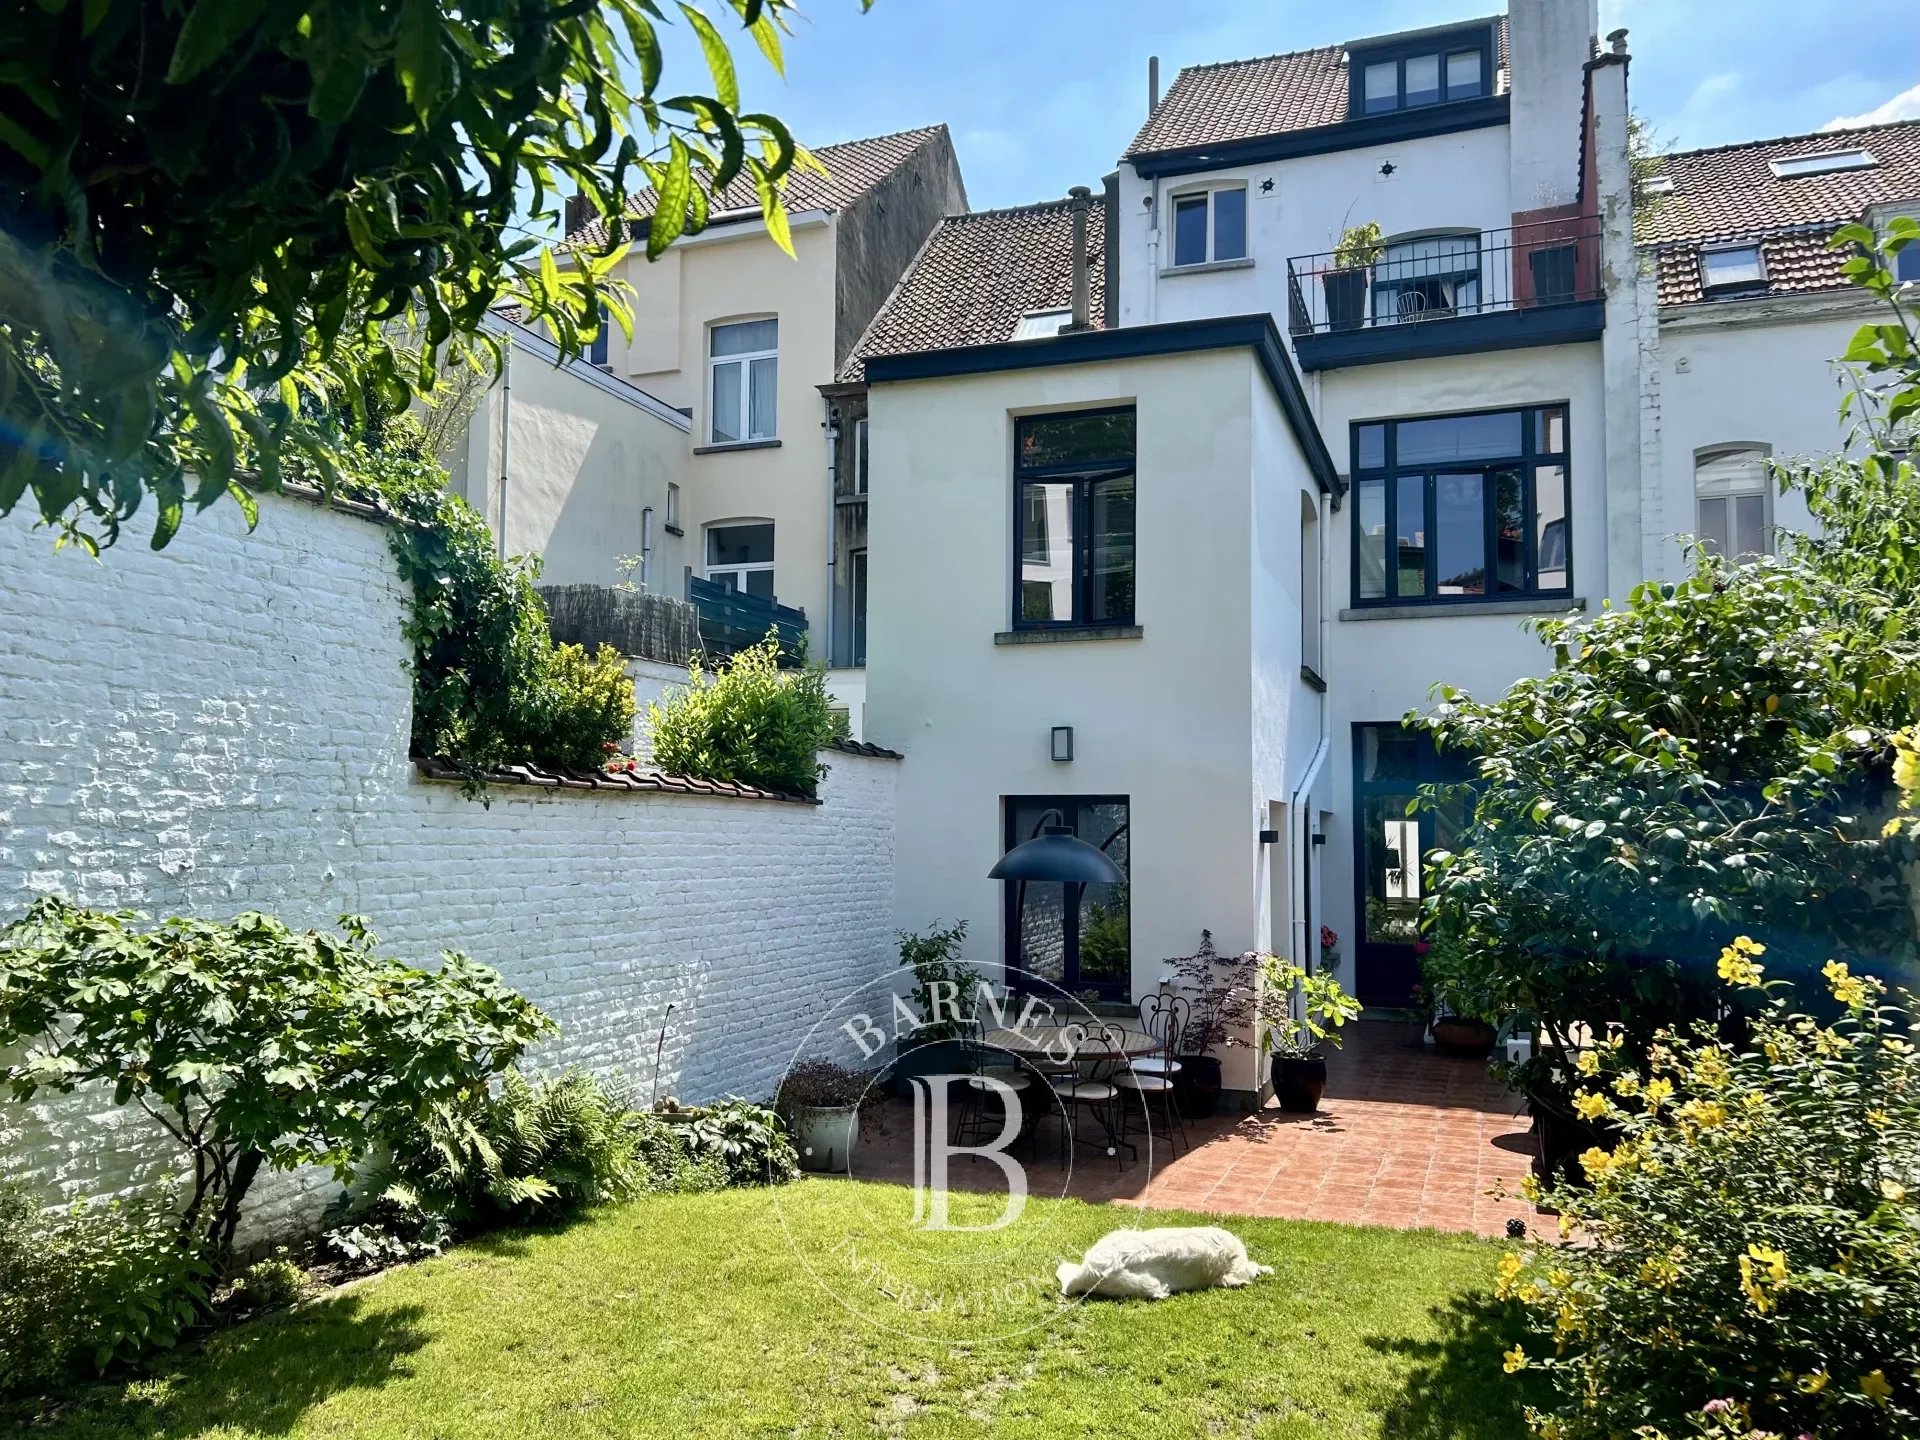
[(1210, 226)]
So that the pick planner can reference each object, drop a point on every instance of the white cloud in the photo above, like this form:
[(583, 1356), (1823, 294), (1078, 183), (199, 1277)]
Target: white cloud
[(1904, 106)]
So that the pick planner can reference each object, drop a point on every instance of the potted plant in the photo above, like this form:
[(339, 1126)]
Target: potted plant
[(1294, 1040), (821, 1101), (1216, 986), (943, 993), (1466, 1002), (1346, 283), (1329, 949)]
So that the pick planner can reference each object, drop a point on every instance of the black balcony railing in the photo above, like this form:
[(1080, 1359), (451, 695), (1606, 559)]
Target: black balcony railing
[(1441, 277), (731, 620)]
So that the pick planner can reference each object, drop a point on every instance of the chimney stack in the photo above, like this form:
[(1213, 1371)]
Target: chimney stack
[(1082, 297), (579, 210), (1153, 85)]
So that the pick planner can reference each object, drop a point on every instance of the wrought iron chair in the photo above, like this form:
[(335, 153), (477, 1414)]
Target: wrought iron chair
[(1150, 1077), (988, 1068), (1089, 1090)]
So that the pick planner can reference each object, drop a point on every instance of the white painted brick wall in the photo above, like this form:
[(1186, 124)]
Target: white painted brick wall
[(223, 726)]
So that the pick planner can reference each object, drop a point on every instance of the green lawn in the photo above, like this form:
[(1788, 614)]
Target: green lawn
[(689, 1316)]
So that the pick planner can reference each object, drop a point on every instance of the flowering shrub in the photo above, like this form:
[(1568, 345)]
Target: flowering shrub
[(1752, 1255)]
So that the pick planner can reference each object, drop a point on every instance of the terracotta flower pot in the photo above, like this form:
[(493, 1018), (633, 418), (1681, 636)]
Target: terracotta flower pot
[(1458, 1036), (1299, 1084)]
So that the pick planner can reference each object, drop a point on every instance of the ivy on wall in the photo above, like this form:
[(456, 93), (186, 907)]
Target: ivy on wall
[(490, 688)]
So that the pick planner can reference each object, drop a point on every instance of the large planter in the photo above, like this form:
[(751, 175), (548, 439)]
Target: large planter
[(1299, 1084), (825, 1136), (929, 1057), (1346, 298), (1559, 1139), (1196, 1086), (1457, 1035)]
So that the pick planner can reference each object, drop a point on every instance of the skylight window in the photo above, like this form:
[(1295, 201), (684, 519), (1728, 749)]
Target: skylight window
[(1041, 324), (1791, 167), (1732, 266), (1658, 185)]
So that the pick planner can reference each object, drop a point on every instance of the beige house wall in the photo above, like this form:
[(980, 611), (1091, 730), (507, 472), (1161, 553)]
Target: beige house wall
[(735, 272)]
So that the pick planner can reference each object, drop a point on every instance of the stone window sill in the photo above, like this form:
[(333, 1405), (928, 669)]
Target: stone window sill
[(1209, 267), (1543, 605), (1067, 636), (736, 445)]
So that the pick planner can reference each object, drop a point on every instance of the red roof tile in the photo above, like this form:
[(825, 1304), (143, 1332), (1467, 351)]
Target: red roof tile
[(1249, 99), (978, 274), (853, 168)]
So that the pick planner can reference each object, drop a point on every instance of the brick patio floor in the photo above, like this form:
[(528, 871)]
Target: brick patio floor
[(1404, 1137)]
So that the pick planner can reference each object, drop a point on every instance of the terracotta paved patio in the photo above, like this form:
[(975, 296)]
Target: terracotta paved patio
[(1405, 1137)]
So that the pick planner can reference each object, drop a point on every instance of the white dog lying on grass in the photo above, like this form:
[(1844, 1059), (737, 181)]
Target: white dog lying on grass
[(1153, 1264)]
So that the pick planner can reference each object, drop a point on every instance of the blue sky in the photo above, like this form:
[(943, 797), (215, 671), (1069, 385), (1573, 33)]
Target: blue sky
[(1044, 94)]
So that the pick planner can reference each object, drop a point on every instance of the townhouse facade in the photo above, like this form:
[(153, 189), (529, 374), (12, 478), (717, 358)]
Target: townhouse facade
[(1154, 509)]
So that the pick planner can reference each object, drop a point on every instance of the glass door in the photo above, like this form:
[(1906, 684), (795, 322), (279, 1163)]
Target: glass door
[(1086, 945)]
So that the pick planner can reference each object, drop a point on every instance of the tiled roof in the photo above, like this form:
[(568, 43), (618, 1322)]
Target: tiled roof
[(860, 747), (853, 168), (654, 781), (1731, 193), (978, 274), (1248, 99)]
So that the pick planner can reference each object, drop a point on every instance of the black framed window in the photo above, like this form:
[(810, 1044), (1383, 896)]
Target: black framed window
[(1073, 519), (1458, 509), (1414, 73), (1390, 764), (1078, 937)]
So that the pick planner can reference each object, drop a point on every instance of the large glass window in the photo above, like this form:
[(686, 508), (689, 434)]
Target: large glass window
[(1074, 519), (1078, 937), (744, 370), (1413, 77), (1475, 507), (740, 557), (1210, 225), (1391, 842)]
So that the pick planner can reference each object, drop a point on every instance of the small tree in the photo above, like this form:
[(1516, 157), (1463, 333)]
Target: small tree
[(749, 722), (252, 1045)]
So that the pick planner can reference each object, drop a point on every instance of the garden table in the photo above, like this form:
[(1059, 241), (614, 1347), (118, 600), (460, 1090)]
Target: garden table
[(1077, 1048)]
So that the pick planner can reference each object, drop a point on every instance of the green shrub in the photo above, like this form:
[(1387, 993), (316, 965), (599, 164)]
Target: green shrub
[(252, 1046), (944, 985), (669, 1162), (384, 1233), (1752, 1240), (748, 1139), (270, 1284), (749, 722), (580, 705), (98, 1284)]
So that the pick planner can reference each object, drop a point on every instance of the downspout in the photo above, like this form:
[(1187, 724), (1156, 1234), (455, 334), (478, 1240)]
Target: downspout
[(506, 437), (1302, 876), (1153, 251), (833, 544)]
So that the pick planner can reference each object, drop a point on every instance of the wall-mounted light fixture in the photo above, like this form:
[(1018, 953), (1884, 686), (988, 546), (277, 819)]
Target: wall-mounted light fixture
[(1063, 742), (1269, 837)]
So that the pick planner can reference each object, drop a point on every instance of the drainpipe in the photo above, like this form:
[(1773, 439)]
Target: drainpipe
[(506, 437), (1153, 252), (833, 549), (646, 550), (1300, 878)]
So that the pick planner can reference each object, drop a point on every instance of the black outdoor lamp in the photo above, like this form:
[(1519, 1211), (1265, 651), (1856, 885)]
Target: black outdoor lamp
[(1056, 854)]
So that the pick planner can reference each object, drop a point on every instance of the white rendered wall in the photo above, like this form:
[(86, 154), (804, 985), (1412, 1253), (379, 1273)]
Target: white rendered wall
[(1759, 374), (1441, 182), (1171, 719), (223, 726)]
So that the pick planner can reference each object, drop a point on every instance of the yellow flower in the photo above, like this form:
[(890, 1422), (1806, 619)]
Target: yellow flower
[(1774, 1260), (1707, 1114), (1596, 1162), (1711, 1070), (1532, 1190), (1849, 989), (1516, 1360), (1659, 1092), (1531, 1294), (1753, 1284), (1510, 1267), (1893, 1190), (1813, 1384), (1627, 1086), (1879, 1119), (1875, 1387), (1587, 1062), (1737, 967), (1590, 1105)]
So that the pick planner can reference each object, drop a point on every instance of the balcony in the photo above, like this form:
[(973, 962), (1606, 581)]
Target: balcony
[(1449, 293), (732, 620)]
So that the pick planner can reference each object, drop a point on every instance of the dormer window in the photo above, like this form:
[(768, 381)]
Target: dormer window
[(1415, 72), (1732, 267)]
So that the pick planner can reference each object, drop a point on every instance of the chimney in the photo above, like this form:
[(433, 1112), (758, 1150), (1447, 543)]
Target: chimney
[(1082, 299), (1153, 84), (579, 211), (1548, 45)]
